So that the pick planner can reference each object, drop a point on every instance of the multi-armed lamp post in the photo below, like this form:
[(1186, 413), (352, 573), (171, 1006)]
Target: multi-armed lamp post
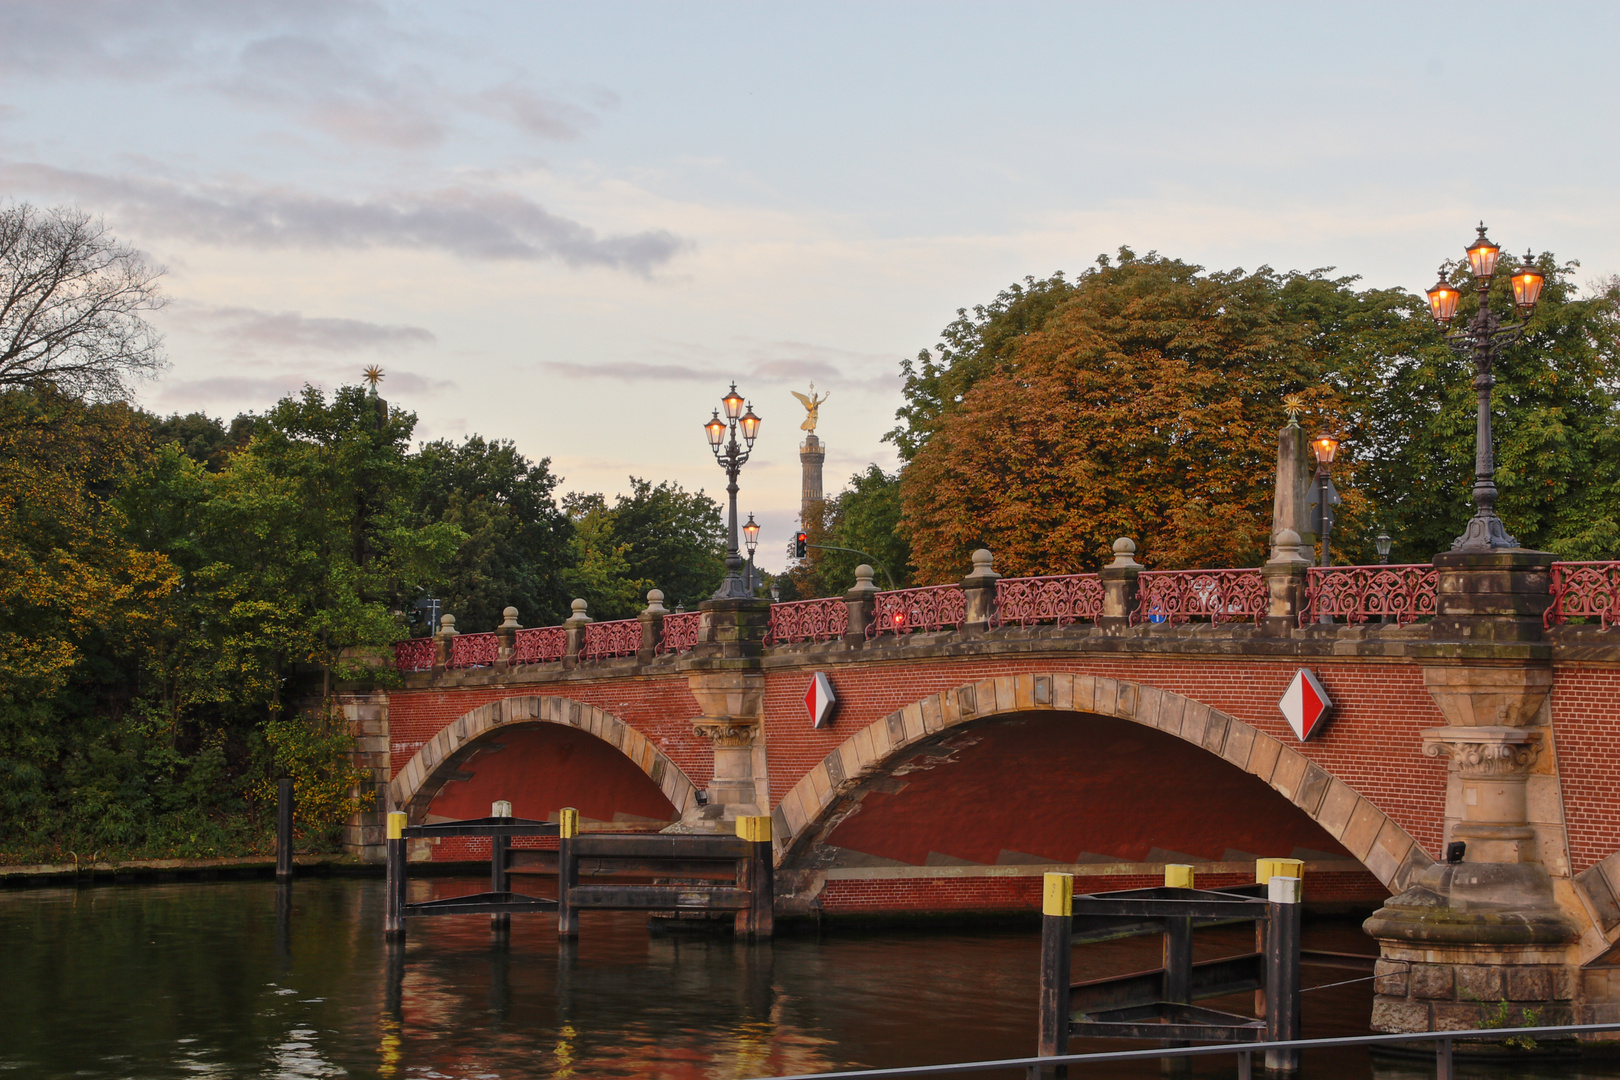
[(1480, 340), (731, 456)]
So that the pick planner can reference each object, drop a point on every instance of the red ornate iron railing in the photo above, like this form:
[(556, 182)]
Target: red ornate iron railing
[(539, 645), (414, 654), (904, 611), (474, 650), (1403, 592), (808, 620), (1589, 590), (1174, 596), (680, 632), (620, 637), (1062, 599)]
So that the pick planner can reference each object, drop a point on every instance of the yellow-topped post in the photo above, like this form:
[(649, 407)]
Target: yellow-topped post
[(1057, 934), (567, 872), (1266, 869), (394, 886), (759, 919), (1178, 876)]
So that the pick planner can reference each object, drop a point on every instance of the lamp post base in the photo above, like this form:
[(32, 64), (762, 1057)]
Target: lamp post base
[(1484, 533)]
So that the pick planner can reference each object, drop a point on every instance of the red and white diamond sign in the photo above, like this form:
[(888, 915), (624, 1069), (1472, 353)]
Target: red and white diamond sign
[(819, 700), (1305, 704)]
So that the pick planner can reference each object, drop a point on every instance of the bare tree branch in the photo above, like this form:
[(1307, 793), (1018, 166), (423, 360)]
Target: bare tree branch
[(72, 304)]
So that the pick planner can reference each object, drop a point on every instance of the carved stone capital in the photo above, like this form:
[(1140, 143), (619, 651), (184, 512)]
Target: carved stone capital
[(725, 731), (1485, 752)]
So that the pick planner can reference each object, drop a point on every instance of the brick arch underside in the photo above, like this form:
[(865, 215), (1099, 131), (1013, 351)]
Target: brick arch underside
[(1085, 770), (541, 753)]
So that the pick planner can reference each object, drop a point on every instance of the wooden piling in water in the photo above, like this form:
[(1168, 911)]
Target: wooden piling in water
[(394, 885), (284, 830), (758, 874), (1057, 934), (1285, 895), (567, 872), (499, 923)]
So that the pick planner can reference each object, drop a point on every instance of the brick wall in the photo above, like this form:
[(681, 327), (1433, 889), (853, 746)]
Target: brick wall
[(1586, 719)]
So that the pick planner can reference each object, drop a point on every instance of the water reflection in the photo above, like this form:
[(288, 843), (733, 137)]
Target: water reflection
[(248, 979)]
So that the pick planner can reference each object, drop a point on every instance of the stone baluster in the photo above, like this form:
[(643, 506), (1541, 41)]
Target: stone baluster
[(504, 637), (575, 626), (980, 589), (652, 625), (441, 643), (1119, 584), (862, 606)]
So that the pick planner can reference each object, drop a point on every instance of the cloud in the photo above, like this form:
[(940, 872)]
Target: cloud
[(259, 392), (627, 371), (544, 117), (479, 223), (249, 329), (766, 364)]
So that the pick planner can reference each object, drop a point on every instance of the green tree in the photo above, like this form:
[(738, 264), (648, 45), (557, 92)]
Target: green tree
[(517, 547), (865, 517), (658, 536)]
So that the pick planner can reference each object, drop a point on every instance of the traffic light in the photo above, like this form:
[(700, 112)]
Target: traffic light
[(800, 543)]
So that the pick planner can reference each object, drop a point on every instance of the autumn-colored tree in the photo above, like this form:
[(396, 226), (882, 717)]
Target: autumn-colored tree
[(1141, 399)]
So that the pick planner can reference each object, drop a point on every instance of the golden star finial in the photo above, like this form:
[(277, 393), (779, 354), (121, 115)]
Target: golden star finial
[(372, 375), (1293, 404)]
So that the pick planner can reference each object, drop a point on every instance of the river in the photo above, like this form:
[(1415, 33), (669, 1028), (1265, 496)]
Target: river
[(204, 980)]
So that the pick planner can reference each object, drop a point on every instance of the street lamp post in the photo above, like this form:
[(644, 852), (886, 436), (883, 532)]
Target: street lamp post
[(731, 455), (1383, 543), (1325, 446), (1480, 340), (751, 539)]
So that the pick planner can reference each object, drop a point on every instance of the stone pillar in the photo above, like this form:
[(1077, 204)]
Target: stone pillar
[(812, 453), (1119, 584), (725, 674), (652, 625), (1290, 504), (1466, 937), (980, 589), (441, 643), (503, 638), (861, 606), (367, 717), (574, 626), (1285, 578)]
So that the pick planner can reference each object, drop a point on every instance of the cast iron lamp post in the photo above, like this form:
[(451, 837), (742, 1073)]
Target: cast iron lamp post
[(1480, 340), (751, 540), (731, 459)]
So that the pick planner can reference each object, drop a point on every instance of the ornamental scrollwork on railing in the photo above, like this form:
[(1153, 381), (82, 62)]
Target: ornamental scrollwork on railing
[(824, 619), (1061, 599), (620, 637), (539, 645), (1402, 593), (906, 611), (1585, 590), (1175, 596), (474, 650), (680, 632), (414, 654)]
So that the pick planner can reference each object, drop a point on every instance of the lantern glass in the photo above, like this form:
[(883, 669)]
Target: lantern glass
[(1527, 282), (751, 534), (1482, 255), (1325, 446), (1443, 300), (750, 425), (1384, 542), (733, 403), (716, 430)]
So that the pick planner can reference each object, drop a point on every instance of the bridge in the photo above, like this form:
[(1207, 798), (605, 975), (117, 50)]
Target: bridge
[(983, 732)]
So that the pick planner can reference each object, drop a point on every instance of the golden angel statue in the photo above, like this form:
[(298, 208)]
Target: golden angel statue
[(811, 404)]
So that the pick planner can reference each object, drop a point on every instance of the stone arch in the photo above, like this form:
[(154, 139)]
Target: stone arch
[(1382, 845), (435, 764)]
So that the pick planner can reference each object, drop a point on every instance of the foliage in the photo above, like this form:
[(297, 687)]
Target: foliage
[(72, 300), (517, 544), (658, 536), (865, 518), (315, 754), (1142, 398)]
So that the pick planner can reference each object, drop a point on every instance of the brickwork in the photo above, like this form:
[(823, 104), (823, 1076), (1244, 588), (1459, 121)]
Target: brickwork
[(1585, 707)]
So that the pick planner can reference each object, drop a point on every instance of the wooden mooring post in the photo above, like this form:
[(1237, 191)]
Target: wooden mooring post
[(394, 883), (1284, 896), (500, 922), (1057, 945), (567, 873), (284, 829)]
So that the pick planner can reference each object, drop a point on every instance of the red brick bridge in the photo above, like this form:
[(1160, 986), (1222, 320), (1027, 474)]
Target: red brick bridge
[(1103, 724)]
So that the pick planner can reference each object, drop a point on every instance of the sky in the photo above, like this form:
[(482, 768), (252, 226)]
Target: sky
[(574, 225)]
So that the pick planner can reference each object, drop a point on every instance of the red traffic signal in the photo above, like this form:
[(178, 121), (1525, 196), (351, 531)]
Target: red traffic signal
[(801, 543)]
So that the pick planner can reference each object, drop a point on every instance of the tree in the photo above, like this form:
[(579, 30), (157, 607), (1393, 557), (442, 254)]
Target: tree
[(865, 517), (658, 536), (72, 300), (517, 546)]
